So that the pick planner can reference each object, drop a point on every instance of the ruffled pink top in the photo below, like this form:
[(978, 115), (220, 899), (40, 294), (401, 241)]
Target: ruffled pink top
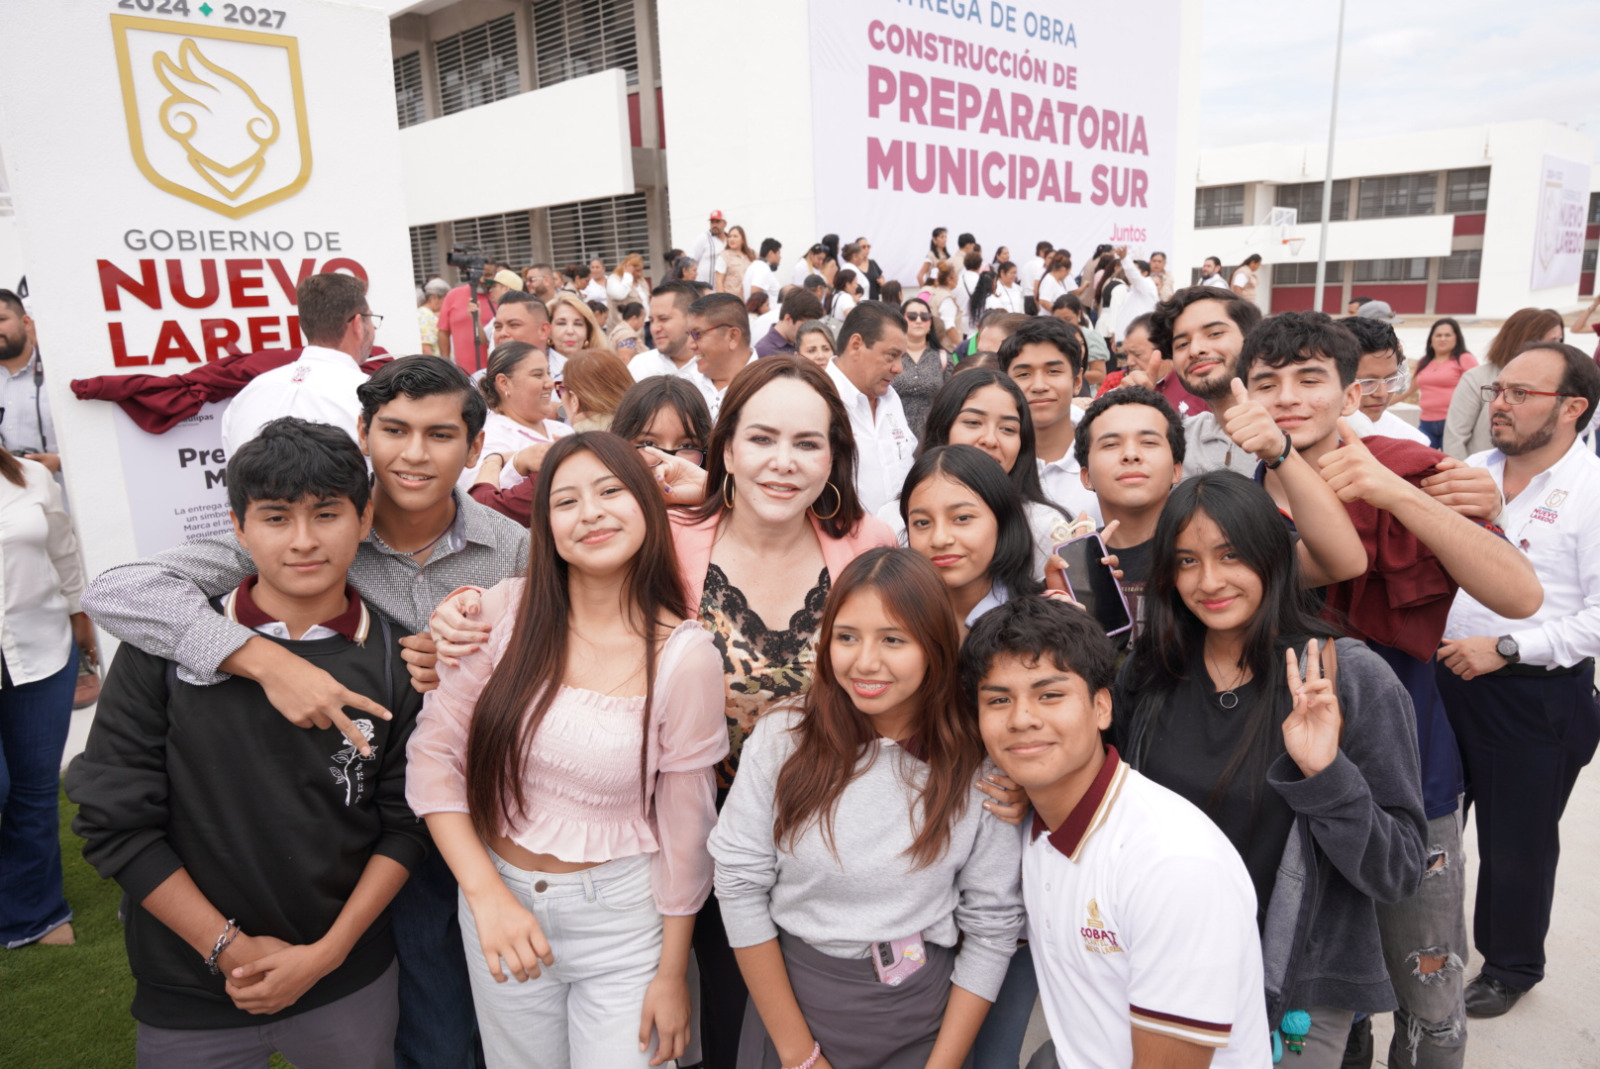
[(581, 782)]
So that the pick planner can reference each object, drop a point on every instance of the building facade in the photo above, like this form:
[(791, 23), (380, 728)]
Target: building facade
[(1436, 223)]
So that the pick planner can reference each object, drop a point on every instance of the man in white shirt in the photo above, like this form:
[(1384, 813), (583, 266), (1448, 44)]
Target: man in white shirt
[(718, 330), (1211, 274), (1032, 271), (1141, 297), (1141, 915), (872, 343), (1159, 276), (1520, 693), (1044, 357), (763, 273), (669, 328), (708, 248), (320, 386)]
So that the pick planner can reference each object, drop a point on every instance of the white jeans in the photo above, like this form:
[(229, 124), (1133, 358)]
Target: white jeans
[(583, 1011)]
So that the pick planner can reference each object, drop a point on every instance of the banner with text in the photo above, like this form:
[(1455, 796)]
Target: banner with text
[(196, 164), (1563, 213), (1016, 122)]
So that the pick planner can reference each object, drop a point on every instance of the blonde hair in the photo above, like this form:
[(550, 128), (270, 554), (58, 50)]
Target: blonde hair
[(597, 378), (596, 338), (624, 266)]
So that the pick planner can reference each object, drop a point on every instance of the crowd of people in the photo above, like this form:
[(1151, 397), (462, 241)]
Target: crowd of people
[(731, 672)]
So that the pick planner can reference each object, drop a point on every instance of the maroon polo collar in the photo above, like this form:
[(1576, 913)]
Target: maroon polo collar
[(352, 623), (1091, 810)]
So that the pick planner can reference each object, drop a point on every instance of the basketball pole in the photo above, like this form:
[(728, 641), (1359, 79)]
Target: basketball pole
[(1327, 177)]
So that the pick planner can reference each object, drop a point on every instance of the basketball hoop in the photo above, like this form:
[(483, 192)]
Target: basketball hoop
[(1295, 245)]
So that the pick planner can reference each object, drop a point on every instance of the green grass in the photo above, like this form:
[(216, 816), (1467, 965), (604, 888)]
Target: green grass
[(67, 1007)]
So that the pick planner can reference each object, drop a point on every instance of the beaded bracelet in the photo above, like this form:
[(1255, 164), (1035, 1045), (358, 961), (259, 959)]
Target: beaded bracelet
[(229, 930), (816, 1052)]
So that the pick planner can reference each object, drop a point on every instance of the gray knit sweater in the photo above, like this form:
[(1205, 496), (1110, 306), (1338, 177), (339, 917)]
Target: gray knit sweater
[(870, 891)]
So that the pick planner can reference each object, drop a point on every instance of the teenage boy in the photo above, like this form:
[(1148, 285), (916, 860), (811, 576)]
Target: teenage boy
[(1141, 914), (1044, 358), (1383, 378), (1302, 367), (257, 888), (1201, 330), (421, 426)]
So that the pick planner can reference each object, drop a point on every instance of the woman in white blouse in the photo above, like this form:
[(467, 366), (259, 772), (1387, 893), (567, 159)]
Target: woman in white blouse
[(627, 283), (1054, 283), (517, 385), (39, 638)]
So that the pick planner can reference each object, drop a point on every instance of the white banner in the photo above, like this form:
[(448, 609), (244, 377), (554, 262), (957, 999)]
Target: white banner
[(1018, 123), (1558, 235), (178, 167)]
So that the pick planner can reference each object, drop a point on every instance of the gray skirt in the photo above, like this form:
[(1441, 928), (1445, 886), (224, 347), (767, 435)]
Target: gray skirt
[(861, 1022)]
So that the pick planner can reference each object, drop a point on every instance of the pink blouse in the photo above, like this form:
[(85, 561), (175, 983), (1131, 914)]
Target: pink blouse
[(581, 783), (1438, 382)]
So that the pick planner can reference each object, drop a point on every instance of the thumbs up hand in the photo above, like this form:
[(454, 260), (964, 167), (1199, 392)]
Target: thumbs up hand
[(1252, 427), (1356, 475)]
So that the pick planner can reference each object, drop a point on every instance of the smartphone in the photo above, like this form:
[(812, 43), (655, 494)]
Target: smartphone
[(1093, 584), (898, 958)]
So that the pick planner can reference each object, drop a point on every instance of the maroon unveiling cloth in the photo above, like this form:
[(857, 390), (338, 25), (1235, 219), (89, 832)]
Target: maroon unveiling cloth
[(157, 403)]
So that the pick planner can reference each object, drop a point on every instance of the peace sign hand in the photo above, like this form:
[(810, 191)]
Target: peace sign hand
[(1311, 731)]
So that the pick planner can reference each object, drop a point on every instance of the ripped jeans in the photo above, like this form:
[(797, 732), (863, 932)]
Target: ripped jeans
[(1425, 948)]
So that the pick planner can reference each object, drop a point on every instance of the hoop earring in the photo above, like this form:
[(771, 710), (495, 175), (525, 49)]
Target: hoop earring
[(838, 504), (727, 493)]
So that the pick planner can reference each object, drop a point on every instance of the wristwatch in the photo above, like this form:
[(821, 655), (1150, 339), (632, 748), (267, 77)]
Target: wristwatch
[(1506, 646)]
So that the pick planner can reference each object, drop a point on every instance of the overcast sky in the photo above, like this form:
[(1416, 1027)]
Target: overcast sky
[(1409, 65)]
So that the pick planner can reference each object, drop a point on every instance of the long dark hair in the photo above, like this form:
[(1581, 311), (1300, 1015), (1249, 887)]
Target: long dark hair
[(649, 396), (524, 682), (1455, 354), (750, 380), (933, 242), (980, 296), (833, 734), (945, 409), (1171, 645), (11, 469), (1012, 563)]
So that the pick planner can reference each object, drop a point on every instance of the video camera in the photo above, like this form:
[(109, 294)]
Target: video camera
[(469, 261)]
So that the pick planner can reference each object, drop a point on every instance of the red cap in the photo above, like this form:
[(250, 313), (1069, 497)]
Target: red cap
[(717, 216)]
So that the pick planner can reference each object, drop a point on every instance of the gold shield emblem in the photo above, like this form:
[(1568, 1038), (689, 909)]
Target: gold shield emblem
[(215, 116)]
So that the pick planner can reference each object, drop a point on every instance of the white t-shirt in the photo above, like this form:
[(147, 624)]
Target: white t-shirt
[(802, 271), (1029, 273), (651, 362), (1141, 915), (1050, 288), (841, 305), (885, 446), (1006, 298), (1388, 425), (319, 387), (1215, 282), (761, 276)]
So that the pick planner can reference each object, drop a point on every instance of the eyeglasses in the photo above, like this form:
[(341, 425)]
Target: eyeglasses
[(1393, 384), (696, 335), (694, 454), (1516, 395), (918, 317), (375, 320)]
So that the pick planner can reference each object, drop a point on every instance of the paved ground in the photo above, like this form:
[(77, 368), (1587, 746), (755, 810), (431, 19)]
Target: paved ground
[(1556, 1026)]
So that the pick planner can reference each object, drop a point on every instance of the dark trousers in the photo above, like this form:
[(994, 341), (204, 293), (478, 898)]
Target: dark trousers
[(438, 1028), (1523, 741), (722, 990)]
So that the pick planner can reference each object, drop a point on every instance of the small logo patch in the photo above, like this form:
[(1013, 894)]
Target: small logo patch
[(1097, 937), (1556, 499)]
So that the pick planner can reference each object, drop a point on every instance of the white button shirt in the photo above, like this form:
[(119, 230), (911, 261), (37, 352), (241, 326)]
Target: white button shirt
[(707, 388), (650, 363), (1062, 484), (320, 387), (885, 446), (41, 577), (1556, 522)]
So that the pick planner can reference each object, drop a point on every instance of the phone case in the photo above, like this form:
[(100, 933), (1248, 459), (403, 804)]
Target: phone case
[(1127, 609), (898, 958)]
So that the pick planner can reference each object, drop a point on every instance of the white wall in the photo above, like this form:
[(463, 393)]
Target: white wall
[(512, 155), (737, 114), (1517, 152), (1357, 239)]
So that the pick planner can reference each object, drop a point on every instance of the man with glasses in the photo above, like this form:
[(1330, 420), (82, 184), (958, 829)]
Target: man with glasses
[(719, 337), (1384, 378), (1521, 692), (320, 386)]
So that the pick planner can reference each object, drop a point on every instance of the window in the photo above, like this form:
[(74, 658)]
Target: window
[(1414, 269), (572, 38), (408, 89), (507, 238), (1466, 191), (1306, 274), (609, 228), (478, 66), (1219, 206), (424, 253), (1588, 259), (1594, 209), (1398, 194), (1461, 265), (1306, 200)]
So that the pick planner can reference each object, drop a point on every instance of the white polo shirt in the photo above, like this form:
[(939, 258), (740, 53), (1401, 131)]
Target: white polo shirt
[(885, 446), (1556, 522), (761, 276), (1062, 484), (319, 387), (1142, 915)]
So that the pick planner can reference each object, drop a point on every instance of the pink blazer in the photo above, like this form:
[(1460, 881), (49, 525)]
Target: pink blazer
[(693, 541)]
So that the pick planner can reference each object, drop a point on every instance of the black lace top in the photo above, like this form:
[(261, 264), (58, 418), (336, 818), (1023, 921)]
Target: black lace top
[(760, 666)]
